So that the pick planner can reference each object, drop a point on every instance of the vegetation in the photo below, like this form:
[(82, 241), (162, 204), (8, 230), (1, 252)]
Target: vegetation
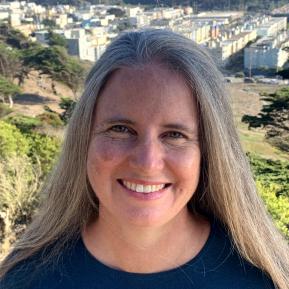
[(117, 12), (56, 62), (10, 62), (26, 158), (68, 106), (274, 118), (18, 56), (43, 150), (24, 123), (8, 90), (272, 181), (55, 39), (13, 38), (4, 110), (269, 172), (12, 142), (50, 23), (27, 154), (19, 186)]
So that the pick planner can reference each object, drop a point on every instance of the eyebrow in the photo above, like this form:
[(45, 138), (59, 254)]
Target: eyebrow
[(176, 126), (118, 120)]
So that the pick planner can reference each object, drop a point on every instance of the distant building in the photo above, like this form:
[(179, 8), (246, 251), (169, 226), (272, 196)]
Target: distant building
[(221, 17), (272, 27), (223, 50), (266, 53), (61, 20), (86, 48)]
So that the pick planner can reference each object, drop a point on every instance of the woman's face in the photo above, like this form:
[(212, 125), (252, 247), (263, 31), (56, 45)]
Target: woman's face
[(144, 155)]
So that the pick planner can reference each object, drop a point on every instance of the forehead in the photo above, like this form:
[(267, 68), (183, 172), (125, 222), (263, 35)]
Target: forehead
[(150, 91)]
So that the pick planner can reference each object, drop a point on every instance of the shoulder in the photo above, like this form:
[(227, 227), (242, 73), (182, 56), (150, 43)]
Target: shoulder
[(41, 272), (221, 265)]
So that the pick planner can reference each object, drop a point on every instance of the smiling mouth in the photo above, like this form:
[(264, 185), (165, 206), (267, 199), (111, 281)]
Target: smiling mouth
[(141, 188)]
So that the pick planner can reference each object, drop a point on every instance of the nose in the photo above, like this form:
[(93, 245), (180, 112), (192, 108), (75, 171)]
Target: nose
[(147, 156)]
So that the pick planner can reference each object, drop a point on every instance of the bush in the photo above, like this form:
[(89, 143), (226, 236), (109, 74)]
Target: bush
[(274, 118), (270, 172), (68, 105), (24, 123), (12, 141), (43, 149), (50, 118), (277, 206), (19, 186), (273, 184)]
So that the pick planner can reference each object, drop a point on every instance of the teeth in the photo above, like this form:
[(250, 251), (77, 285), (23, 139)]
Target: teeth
[(143, 188)]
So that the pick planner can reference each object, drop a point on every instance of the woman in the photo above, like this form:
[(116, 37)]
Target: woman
[(152, 188)]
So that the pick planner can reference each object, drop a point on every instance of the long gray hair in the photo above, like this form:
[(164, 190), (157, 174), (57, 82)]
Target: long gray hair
[(226, 188)]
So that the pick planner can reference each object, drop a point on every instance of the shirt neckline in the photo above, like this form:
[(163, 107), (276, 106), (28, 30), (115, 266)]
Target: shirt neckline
[(117, 273)]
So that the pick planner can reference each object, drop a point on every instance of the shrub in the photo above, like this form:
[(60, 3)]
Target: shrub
[(43, 149), (68, 105), (12, 141), (270, 172), (50, 118), (24, 123), (19, 186), (277, 206)]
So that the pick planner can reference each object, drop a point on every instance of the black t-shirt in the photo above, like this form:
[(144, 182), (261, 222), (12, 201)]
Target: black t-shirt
[(217, 266)]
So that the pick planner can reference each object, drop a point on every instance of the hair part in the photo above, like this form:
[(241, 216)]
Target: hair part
[(226, 189)]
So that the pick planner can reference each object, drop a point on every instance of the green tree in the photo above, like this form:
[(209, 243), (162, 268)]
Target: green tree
[(10, 62), (117, 12), (8, 90), (56, 39), (13, 38), (274, 118), (56, 62), (68, 105), (73, 75), (49, 23)]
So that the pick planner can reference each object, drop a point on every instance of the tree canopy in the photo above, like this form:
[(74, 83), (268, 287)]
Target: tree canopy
[(274, 118)]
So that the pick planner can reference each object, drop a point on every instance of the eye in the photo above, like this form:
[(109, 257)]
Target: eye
[(119, 129), (175, 135)]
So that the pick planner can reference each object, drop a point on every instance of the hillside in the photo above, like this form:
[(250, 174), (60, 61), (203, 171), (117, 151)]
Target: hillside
[(39, 90), (246, 100)]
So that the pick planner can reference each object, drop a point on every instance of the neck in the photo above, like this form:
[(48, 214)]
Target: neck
[(146, 249)]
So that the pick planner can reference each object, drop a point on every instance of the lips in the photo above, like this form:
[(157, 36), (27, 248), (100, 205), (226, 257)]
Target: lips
[(143, 187)]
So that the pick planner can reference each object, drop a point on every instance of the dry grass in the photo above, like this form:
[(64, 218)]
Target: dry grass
[(246, 100)]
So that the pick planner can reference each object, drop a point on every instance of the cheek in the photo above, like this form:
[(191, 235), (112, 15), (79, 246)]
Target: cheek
[(187, 166), (102, 154)]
